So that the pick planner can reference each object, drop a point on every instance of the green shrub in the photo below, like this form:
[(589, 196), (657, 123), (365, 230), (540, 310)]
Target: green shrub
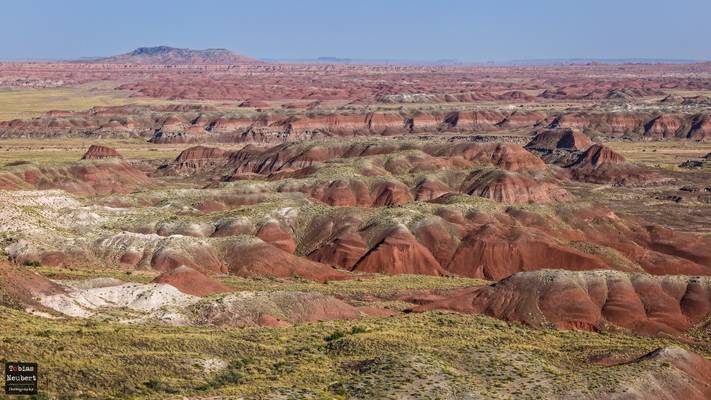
[(32, 263), (358, 329), (335, 336)]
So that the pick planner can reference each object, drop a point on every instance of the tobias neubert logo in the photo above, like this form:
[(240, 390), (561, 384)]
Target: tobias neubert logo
[(20, 378)]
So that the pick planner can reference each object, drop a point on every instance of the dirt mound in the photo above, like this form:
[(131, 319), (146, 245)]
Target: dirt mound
[(599, 155), (600, 164), (592, 300), (358, 192), (281, 160), (399, 252), (656, 249), (190, 281), (159, 302), (197, 159), (91, 177), (227, 201), (146, 301), (273, 233), (496, 250), (510, 187), (509, 156), (665, 126), (429, 188), (609, 124), (274, 309), (390, 193), (20, 287), (552, 139), (97, 152), (344, 250), (334, 239), (497, 244), (259, 259), (687, 376)]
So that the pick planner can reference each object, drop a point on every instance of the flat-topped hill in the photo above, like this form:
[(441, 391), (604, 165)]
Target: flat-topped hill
[(166, 55)]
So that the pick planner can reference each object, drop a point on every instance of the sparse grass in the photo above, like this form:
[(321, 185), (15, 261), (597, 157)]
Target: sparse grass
[(373, 358), (666, 154), (21, 103), (78, 273), (375, 284), (51, 151), (368, 284)]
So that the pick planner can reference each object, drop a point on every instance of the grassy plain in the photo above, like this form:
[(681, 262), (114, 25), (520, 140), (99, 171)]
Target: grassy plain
[(48, 151), (25, 103), (425, 356), (666, 154)]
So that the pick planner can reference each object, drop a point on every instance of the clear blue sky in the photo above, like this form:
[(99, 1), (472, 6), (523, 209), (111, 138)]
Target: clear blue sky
[(366, 29)]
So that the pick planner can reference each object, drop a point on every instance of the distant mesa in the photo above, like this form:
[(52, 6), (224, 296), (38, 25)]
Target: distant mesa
[(329, 59), (166, 55)]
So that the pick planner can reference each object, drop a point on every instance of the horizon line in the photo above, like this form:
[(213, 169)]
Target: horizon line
[(442, 62)]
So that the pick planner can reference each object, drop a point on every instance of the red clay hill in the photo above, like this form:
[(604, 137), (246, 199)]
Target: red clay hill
[(21, 287), (190, 281), (592, 300)]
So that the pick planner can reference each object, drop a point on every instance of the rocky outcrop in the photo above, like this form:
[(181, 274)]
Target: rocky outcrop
[(259, 259)]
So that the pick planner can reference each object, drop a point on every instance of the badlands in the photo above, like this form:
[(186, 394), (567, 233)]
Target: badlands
[(200, 224)]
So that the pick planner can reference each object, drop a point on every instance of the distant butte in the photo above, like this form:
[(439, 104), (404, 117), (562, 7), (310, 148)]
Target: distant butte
[(166, 55)]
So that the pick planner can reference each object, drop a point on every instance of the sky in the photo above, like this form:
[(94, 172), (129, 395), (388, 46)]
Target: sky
[(407, 30)]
